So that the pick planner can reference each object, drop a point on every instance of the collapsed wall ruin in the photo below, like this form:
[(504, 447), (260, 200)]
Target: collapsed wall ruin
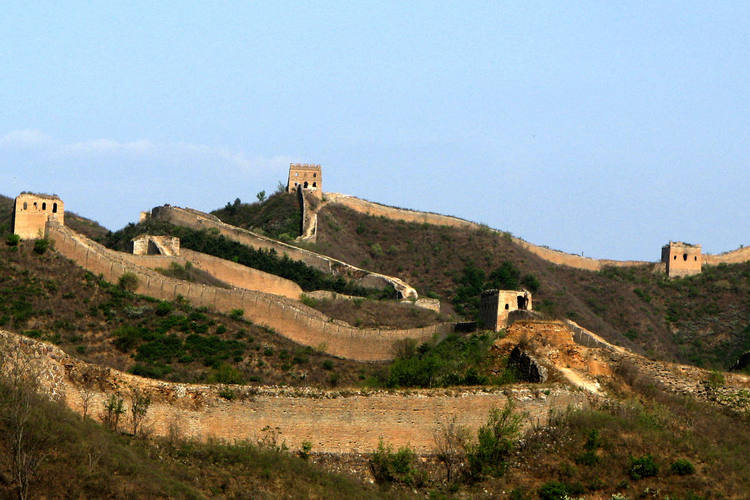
[(496, 306)]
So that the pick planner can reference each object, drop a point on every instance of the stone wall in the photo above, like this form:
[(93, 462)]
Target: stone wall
[(198, 220), (734, 257), (553, 256), (308, 204), (343, 421), (227, 271), (289, 318)]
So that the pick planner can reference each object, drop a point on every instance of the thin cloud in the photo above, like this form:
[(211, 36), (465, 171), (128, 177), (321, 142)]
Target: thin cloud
[(173, 152), (25, 139)]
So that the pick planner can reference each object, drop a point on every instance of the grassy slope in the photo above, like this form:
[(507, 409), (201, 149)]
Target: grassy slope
[(703, 319), (83, 460), (279, 216), (48, 297)]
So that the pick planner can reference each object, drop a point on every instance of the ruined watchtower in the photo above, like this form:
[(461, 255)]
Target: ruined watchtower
[(305, 176), (682, 259), (496, 305), (31, 212)]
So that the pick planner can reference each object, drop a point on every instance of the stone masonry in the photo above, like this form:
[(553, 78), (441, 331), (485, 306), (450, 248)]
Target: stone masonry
[(31, 212), (305, 176), (682, 259), (496, 305)]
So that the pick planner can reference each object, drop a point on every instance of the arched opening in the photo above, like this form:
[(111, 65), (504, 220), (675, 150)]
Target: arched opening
[(315, 174), (25, 206), (36, 206), (314, 184), (44, 205), (675, 257), (507, 306), (684, 256), (305, 184), (54, 208), (695, 258)]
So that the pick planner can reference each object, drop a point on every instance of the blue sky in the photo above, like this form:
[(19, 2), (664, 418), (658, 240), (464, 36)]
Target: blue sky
[(600, 128)]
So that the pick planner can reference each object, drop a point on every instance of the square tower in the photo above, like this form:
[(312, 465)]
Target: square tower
[(682, 259), (496, 305), (31, 212), (305, 176)]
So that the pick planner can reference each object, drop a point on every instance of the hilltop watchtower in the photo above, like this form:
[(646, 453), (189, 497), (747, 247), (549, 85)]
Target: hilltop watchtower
[(31, 212), (305, 176), (682, 259), (496, 305)]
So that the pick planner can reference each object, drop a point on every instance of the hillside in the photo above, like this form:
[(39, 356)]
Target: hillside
[(48, 297), (703, 320)]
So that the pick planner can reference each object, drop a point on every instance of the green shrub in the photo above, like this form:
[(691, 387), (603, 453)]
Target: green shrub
[(682, 467), (128, 281), (226, 374), (41, 246), (12, 240), (555, 490), (237, 313), (495, 441), (327, 364), (399, 467), (642, 467)]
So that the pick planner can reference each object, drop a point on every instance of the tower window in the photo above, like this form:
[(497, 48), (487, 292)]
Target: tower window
[(684, 256), (25, 206), (44, 205)]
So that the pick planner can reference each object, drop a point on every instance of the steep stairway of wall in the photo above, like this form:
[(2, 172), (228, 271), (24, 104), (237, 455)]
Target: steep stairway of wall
[(345, 421), (289, 318), (198, 220)]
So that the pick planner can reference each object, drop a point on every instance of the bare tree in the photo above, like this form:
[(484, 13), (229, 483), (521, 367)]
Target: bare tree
[(87, 393), (451, 440), (25, 434), (139, 403)]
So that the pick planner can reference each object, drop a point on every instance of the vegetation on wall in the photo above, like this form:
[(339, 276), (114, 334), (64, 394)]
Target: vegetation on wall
[(205, 241)]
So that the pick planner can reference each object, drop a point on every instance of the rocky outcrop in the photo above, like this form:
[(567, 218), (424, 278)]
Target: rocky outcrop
[(527, 368)]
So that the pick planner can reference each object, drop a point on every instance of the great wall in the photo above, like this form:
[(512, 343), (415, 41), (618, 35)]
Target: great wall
[(290, 318), (556, 257), (336, 421), (342, 421)]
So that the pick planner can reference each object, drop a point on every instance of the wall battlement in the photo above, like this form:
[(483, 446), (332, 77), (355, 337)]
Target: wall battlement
[(305, 176)]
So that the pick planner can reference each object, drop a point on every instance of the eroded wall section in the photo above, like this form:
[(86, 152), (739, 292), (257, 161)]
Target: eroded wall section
[(333, 421)]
